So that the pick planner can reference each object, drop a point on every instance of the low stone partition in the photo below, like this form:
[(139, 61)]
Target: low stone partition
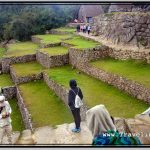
[(131, 87), (9, 92), (130, 54), (62, 93), (23, 79), (35, 39), (6, 62), (77, 57), (51, 61), (55, 31), (26, 116)]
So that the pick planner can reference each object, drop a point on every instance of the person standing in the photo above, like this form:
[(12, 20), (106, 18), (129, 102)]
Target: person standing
[(5, 120), (74, 90), (89, 29)]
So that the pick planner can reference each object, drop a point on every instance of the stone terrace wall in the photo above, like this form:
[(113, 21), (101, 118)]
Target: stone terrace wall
[(62, 93), (43, 45), (24, 111), (79, 59), (131, 87), (126, 28), (51, 61), (6, 62), (78, 56), (124, 54), (23, 79), (9, 92)]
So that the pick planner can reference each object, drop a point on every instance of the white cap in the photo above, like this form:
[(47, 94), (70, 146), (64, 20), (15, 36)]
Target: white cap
[(2, 98)]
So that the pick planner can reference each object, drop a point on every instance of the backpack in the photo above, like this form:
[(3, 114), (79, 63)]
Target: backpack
[(78, 101)]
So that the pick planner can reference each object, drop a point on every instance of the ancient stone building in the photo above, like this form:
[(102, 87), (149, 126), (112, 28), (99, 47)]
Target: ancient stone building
[(87, 12)]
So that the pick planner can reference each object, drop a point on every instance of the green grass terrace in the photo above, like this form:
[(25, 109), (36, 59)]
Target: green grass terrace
[(2, 52), (96, 92), (21, 48), (82, 43), (5, 80), (17, 122), (136, 70), (56, 50), (45, 107), (52, 38), (28, 68)]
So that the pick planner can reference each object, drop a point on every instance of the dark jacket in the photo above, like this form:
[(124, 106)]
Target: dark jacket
[(71, 97)]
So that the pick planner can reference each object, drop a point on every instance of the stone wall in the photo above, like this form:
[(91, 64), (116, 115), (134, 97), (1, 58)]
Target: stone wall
[(26, 116), (6, 62), (51, 61), (62, 93), (23, 79), (9, 92), (80, 60), (123, 54), (128, 28), (77, 56)]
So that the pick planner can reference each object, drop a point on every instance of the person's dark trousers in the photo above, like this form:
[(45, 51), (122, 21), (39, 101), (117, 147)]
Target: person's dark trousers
[(88, 31), (77, 118)]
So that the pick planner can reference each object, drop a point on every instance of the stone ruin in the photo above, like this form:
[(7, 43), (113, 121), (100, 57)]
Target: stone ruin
[(80, 60)]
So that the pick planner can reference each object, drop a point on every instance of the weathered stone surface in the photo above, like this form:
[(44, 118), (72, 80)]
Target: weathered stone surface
[(9, 92), (26, 138), (121, 28), (15, 136), (140, 126)]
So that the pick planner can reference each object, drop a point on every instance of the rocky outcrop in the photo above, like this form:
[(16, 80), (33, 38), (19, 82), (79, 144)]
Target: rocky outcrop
[(124, 28)]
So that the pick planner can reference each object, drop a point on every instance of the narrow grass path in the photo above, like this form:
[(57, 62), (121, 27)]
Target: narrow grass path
[(132, 69), (17, 122), (46, 108), (96, 92), (5, 80), (56, 50), (66, 29), (28, 68), (2, 52)]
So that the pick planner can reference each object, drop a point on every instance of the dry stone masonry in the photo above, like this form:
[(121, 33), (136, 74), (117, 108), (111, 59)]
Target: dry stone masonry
[(130, 28), (48, 61), (6, 62)]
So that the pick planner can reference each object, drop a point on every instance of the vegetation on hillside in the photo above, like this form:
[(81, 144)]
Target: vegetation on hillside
[(21, 21)]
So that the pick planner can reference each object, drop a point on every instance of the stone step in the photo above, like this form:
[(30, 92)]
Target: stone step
[(15, 137)]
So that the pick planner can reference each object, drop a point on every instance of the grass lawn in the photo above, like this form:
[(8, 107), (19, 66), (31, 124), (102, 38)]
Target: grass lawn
[(56, 50), (66, 29), (96, 92), (45, 107), (21, 48), (5, 80), (17, 122), (52, 38), (2, 51), (28, 68), (132, 69), (81, 43)]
